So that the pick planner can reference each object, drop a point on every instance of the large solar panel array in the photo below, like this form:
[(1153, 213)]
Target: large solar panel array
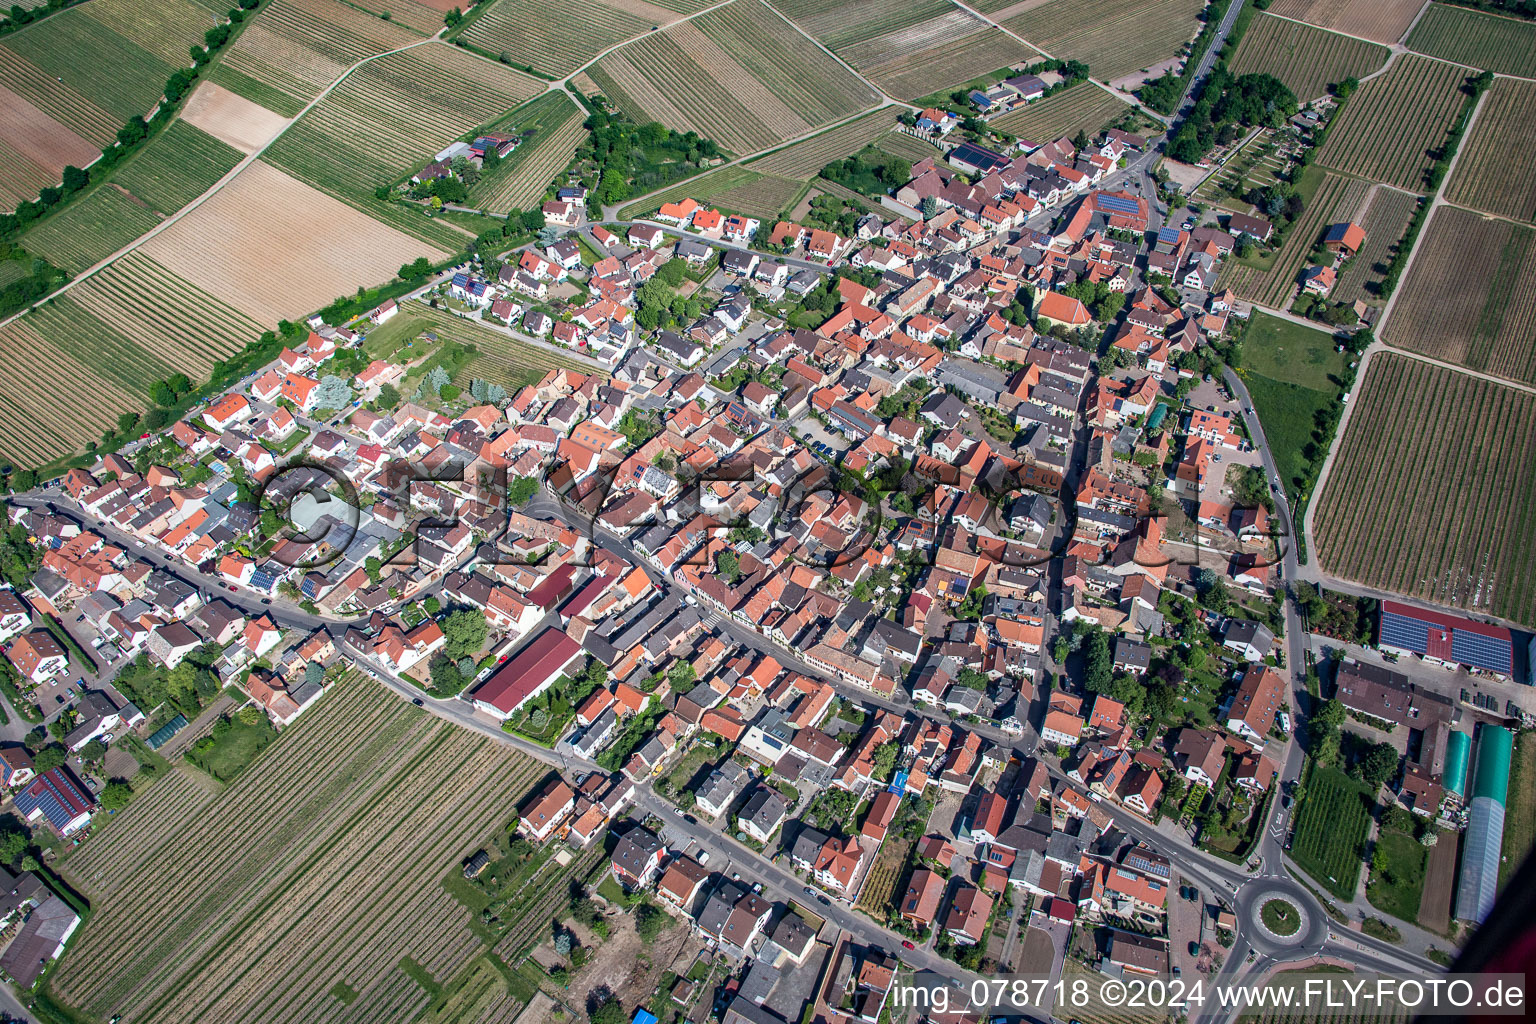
[(1110, 203), (1475, 649)]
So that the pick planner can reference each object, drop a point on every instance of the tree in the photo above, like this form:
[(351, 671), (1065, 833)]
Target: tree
[(116, 795), (389, 396), (728, 566), (650, 921), (1379, 764), (14, 839), (374, 568), (609, 1011), (885, 759), (465, 632), (270, 524), (563, 943), (75, 179), (436, 379), (50, 757), (446, 677), (522, 490), (1328, 716), (1099, 677), (332, 393), (161, 394), (94, 750), (314, 673)]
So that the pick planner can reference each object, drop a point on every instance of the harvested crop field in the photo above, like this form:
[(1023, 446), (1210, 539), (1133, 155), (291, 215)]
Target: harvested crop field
[(295, 48), (1308, 60), (1433, 497), (909, 47), (1272, 281), (42, 415), (553, 128), (109, 337), (318, 871), (1469, 296), (739, 75), (169, 172), (231, 118), (804, 160), (1489, 41), (558, 36), (938, 54), (1382, 20), (1113, 39), (1485, 177), (1384, 217), (115, 54), (425, 16), (277, 249), (34, 150), (1083, 107), (1390, 130)]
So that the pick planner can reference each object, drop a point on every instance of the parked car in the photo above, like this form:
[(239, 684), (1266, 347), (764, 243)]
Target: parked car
[(807, 890), (907, 944), (418, 702)]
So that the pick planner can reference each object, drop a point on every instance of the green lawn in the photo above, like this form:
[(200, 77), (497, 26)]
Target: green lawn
[(1331, 825), (226, 752), (1397, 874), (1286, 410), (1286, 351), (388, 340)]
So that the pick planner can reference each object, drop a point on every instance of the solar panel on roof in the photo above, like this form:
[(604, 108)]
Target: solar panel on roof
[(1117, 204)]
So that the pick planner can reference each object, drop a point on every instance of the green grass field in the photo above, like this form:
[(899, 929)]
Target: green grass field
[(1287, 412), (1285, 350), (1331, 825), (1397, 874), (1520, 819), (227, 755), (170, 171)]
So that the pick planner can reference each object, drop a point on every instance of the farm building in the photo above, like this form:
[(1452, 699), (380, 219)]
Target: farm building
[(1447, 639), (974, 159), (1344, 238), (58, 798), (1479, 881), (529, 674)]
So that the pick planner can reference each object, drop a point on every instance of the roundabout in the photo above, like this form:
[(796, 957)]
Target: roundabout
[(1280, 918)]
